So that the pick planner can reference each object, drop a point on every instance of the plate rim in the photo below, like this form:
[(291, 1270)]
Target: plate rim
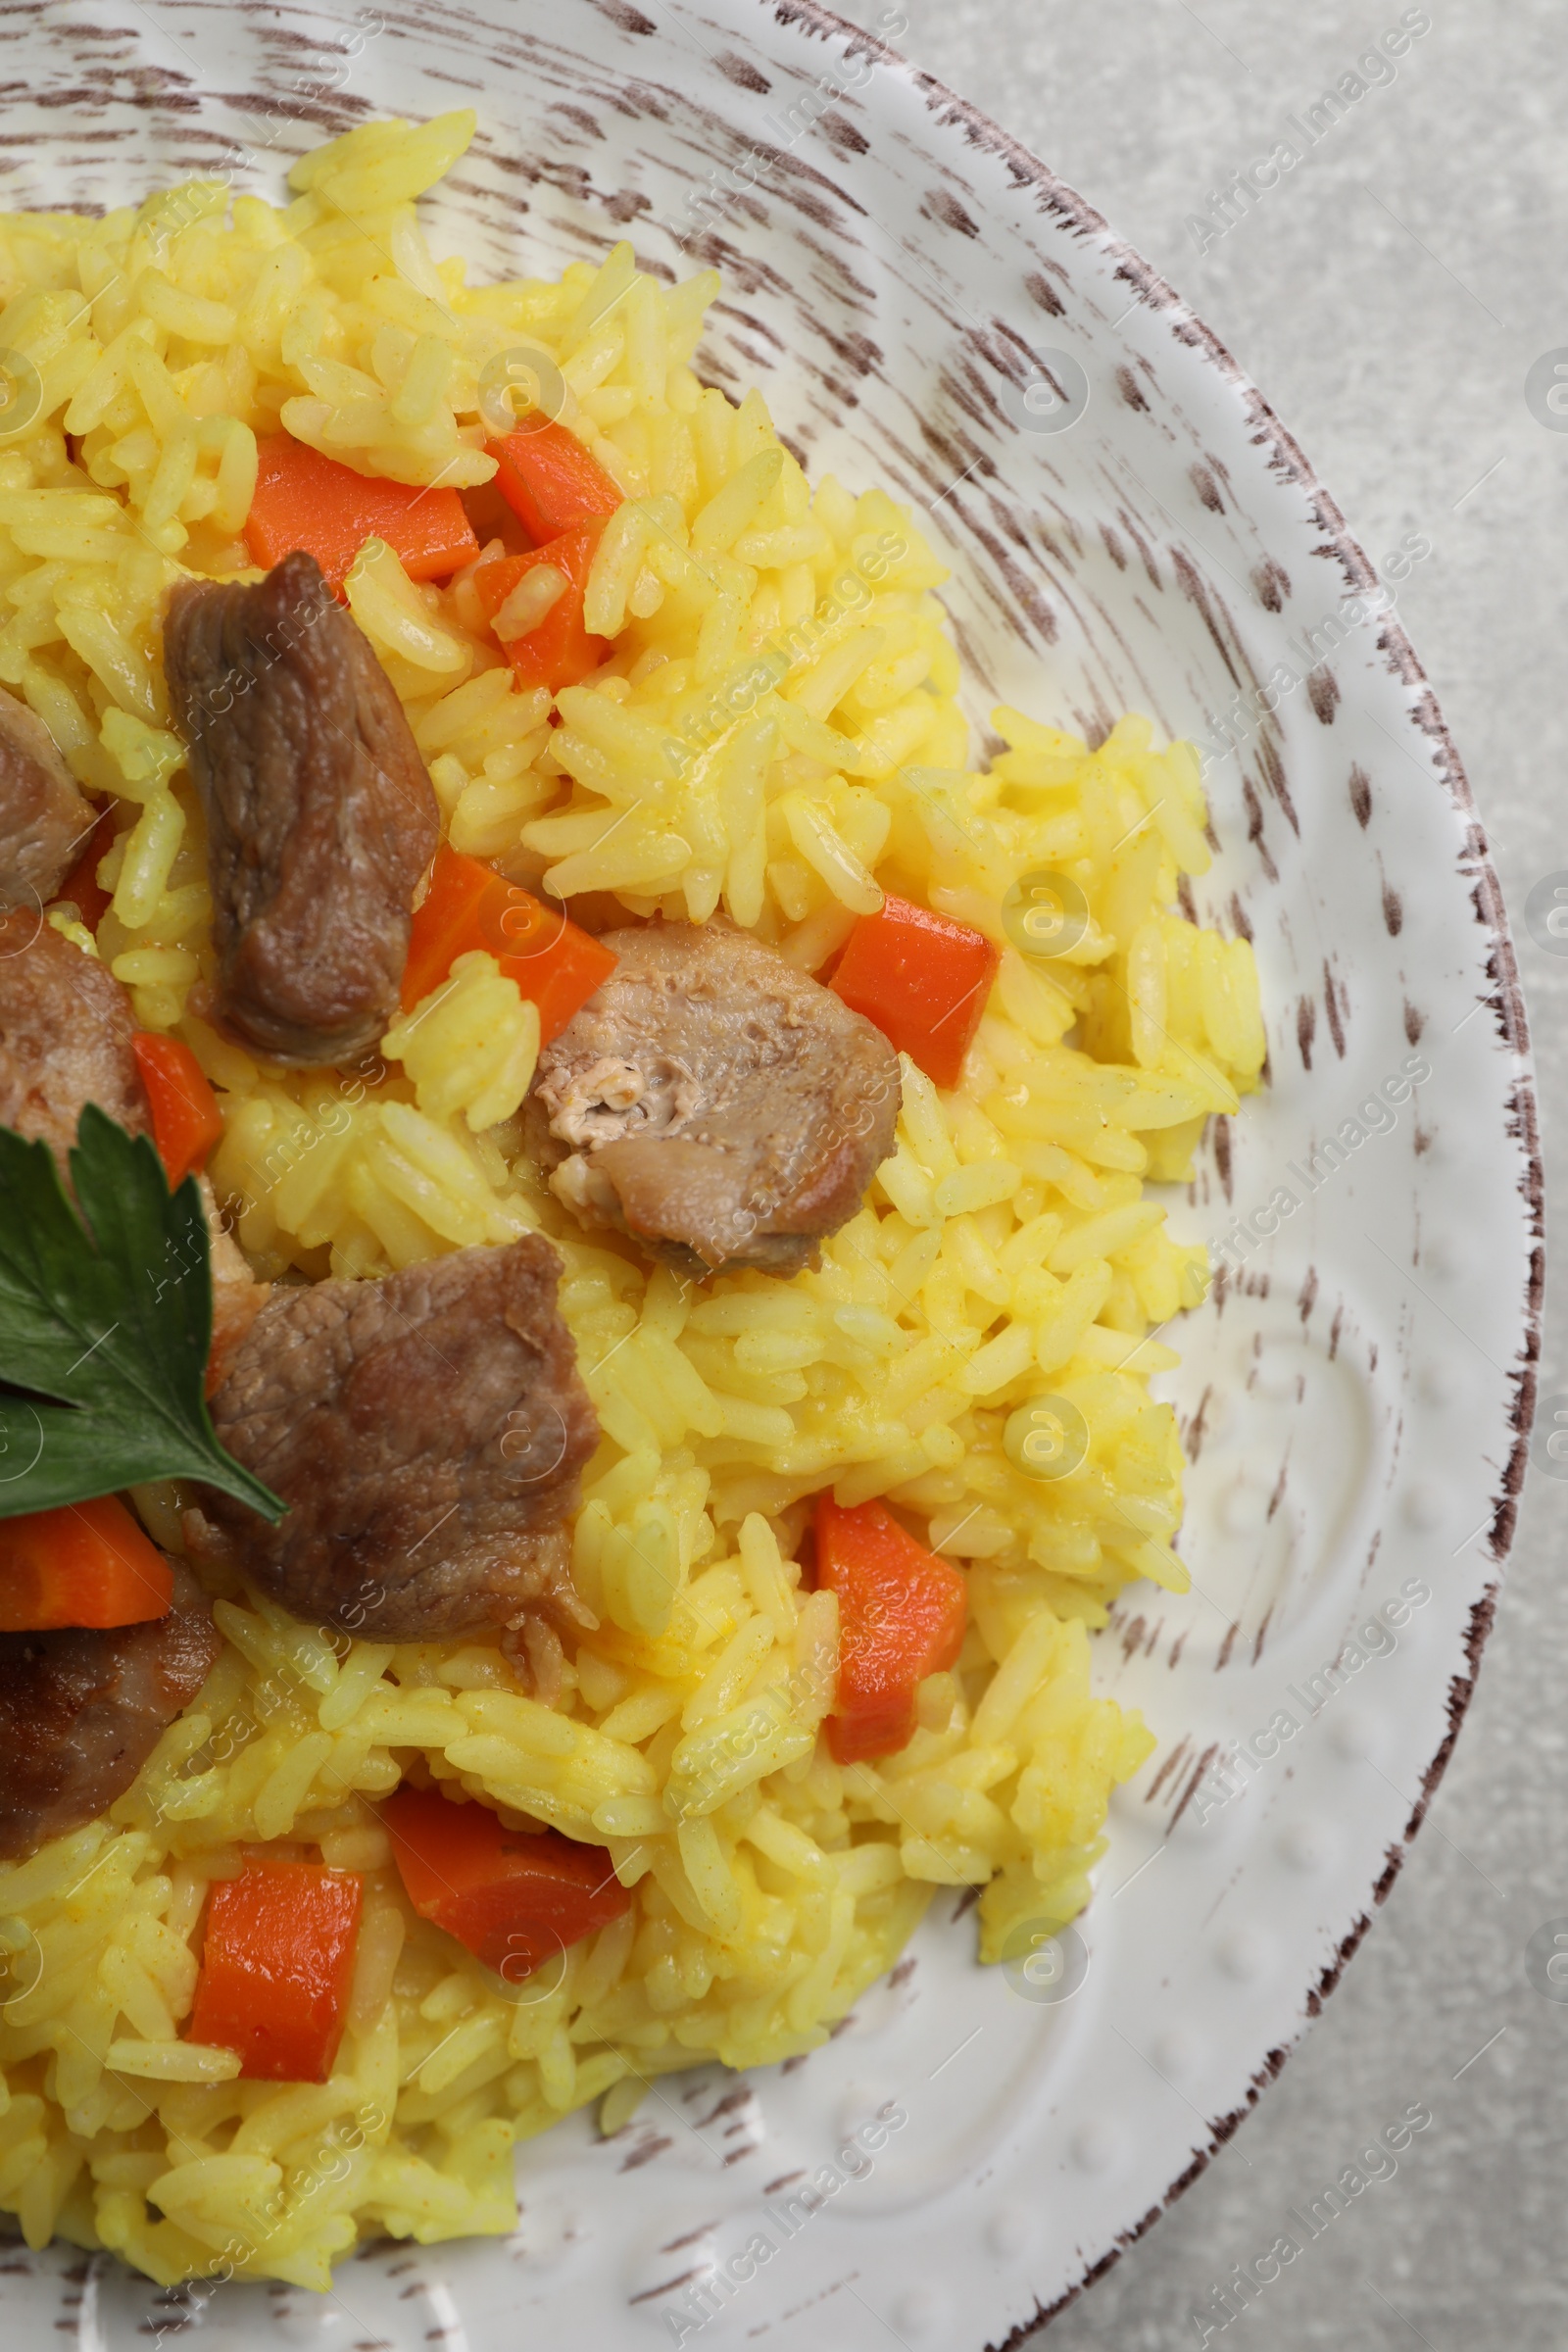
[(1505, 999)]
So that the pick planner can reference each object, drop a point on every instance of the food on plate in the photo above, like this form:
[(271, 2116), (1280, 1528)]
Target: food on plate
[(277, 1969), (304, 500), (515, 1898), (185, 1118), (471, 910), (595, 1131), (44, 819), (84, 1564), (713, 1101), (922, 979), (68, 1037), (902, 1614), (319, 813), (106, 1307), (426, 1431), (82, 1710), (553, 481)]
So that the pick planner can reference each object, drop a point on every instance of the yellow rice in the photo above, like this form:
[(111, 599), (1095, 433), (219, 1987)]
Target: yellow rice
[(777, 737)]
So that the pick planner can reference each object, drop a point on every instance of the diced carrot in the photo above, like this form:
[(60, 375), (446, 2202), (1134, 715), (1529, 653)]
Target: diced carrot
[(446, 923), (515, 1898), (303, 500), (557, 651), (556, 964), (922, 979), (551, 482), (186, 1119), (470, 906), (276, 1969), (81, 885), (86, 1563), (902, 1616)]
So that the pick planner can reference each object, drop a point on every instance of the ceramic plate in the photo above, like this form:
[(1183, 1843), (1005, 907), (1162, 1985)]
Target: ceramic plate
[(1129, 527)]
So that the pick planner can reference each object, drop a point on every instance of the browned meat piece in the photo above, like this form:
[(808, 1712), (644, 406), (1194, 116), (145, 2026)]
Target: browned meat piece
[(428, 1431), (65, 1027), (321, 817), (44, 820), (714, 1102), (81, 1712)]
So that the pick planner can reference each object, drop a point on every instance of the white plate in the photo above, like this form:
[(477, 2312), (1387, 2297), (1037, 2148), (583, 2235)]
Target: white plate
[(900, 276)]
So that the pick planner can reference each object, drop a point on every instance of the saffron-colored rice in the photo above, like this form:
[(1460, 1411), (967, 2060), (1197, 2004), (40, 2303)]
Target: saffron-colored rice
[(776, 737)]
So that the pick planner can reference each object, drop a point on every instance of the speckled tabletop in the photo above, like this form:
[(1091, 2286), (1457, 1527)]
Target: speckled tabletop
[(1391, 297)]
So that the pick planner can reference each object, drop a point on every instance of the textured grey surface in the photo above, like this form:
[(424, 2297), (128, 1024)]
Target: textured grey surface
[(1389, 297)]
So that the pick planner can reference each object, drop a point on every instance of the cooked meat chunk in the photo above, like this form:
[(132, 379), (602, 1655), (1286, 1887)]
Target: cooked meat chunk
[(65, 1027), (427, 1430), (80, 1713), (44, 820), (321, 817), (713, 1101)]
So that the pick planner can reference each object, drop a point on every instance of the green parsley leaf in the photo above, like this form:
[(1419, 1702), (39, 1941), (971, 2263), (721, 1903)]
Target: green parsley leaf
[(109, 1314)]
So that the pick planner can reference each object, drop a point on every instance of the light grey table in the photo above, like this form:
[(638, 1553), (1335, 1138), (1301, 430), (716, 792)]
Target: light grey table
[(1390, 298)]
